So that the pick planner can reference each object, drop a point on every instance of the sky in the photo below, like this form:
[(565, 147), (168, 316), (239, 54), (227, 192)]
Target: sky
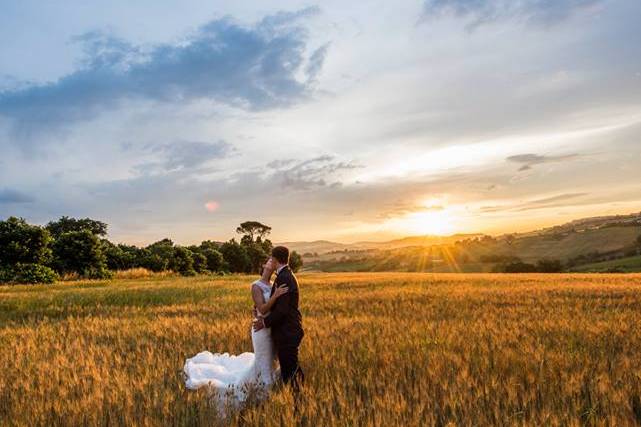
[(335, 120)]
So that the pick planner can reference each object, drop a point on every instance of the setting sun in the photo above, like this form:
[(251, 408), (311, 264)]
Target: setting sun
[(430, 222)]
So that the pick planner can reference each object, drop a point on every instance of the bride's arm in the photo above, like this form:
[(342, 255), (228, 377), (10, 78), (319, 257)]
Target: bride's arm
[(259, 301)]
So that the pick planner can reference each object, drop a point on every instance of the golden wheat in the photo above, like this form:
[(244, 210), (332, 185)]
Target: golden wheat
[(380, 349)]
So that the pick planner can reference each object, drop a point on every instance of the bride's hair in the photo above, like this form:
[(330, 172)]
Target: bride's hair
[(262, 267)]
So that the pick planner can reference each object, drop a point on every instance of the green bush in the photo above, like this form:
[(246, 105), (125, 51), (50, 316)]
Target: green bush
[(200, 262), (519, 267), (80, 252), (28, 273), (549, 266), (6, 275), (182, 262), (157, 256), (215, 261), (68, 225), (235, 256), (295, 261), (23, 243)]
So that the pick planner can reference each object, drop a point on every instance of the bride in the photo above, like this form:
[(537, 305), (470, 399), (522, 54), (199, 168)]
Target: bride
[(232, 374)]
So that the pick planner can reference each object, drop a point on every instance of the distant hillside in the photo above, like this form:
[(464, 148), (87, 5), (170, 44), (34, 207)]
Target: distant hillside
[(580, 242), (566, 245), (623, 265), (318, 246), (321, 247), (585, 224)]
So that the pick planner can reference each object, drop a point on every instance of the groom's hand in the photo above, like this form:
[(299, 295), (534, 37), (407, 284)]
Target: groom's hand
[(259, 324)]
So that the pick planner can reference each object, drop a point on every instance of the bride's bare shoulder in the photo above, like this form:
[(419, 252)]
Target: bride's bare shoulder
[(259, 284)]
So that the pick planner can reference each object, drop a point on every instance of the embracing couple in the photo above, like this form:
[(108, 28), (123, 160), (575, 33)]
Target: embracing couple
[(277, 332)]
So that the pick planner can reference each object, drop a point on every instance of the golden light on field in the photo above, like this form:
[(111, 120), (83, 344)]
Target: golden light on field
[(403, 349)]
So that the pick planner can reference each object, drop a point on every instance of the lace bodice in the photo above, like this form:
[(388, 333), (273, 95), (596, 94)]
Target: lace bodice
[(265, 288)]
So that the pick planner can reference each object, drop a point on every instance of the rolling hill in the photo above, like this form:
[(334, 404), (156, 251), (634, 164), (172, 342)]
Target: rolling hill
[(321, 247), (579, 242)]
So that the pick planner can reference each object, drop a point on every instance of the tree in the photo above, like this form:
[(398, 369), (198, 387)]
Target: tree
[(509, 239), (235, 257), (23, 243), (131, 256), (295, 261), (66, 225), (200, 262), (257, 255), (152, 261), (80, 252), (24, 252), (549, 266), (182, 261), (158, 256), (208, 244), (639, 241), (164, 255), (214, 259), (258, 248), (120, 257), (253, 229), (519, 267)]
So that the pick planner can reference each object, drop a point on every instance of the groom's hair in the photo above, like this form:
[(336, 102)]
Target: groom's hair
[(281, 253)]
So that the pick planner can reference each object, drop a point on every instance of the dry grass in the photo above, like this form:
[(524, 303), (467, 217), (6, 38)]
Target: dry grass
[(141, 273), (380, 349)]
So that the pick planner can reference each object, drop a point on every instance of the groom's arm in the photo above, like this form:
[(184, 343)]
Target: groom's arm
[(281, 307), (279, 311)]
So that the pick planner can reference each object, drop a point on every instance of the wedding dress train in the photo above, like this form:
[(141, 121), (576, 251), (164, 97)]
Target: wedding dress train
[(233, 374)]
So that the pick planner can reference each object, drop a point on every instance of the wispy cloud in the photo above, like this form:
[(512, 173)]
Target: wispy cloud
[(316, 61), (314, 172), (185, 155), (400, 209), (529, 160), (548, 202), (535, 12), (252, 67), (8, 195)]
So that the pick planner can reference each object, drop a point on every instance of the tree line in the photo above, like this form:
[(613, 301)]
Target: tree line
[(69, 246)]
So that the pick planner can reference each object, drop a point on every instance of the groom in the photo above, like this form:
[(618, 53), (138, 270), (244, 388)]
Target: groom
[(285, 320)]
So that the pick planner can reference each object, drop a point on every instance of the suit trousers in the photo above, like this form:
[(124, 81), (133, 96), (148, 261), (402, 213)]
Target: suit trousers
[(290, 370)]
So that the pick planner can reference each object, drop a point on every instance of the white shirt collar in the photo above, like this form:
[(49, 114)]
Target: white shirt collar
[(279, 269)]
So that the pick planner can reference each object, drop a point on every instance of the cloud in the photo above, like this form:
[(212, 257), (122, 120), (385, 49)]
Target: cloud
[(296, 174), (307, 174), (253, 67), (185, 155), (529, 160), (300, 176), (536, 12), (316, 61), (280, 163), (548, 202), (8, 195), (402, 209)]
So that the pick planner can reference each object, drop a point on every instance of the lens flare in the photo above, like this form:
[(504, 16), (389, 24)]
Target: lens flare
[(212, 206)]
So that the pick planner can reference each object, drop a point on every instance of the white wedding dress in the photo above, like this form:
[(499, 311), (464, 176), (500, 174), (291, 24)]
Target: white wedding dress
[(231, 375)]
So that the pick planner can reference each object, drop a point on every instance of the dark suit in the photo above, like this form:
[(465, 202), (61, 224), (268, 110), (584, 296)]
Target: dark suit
[(285, 322)]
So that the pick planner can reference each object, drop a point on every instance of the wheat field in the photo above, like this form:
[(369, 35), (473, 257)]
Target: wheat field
[(381, 349)]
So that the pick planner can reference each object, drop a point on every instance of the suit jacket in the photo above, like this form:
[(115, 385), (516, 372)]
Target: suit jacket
[(285, 318)]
